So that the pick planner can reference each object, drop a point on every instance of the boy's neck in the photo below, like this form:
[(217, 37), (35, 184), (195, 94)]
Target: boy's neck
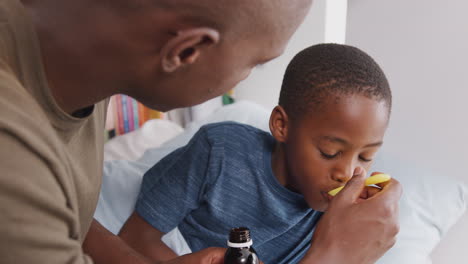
[(278, 165)]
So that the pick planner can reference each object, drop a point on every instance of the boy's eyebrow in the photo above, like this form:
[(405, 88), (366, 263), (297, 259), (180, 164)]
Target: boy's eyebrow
[(335, 139), (376, 144), (344, 142)]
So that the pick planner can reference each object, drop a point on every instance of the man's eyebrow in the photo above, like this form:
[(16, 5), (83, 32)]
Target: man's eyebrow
[(344, 142), (265, 61)]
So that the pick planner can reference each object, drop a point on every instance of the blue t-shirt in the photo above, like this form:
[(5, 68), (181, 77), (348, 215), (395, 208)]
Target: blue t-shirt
[(222, 179)]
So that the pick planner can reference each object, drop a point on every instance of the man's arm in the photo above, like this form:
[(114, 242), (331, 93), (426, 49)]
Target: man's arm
[(145, 239), (35, 222), (36, 226), (357, 231), (105, 247)]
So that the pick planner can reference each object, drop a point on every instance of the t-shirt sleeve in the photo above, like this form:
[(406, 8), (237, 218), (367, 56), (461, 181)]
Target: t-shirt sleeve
[(176, 185), (34, 219)]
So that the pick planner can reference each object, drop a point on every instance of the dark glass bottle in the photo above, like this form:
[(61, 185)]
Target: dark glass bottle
[(240, 249)]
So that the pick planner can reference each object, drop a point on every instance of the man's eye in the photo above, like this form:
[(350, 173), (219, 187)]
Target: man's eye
[(364, 159), (329, 156)]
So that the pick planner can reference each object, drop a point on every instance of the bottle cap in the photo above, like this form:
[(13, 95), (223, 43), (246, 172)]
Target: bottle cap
[(240, 245), (239, 237)]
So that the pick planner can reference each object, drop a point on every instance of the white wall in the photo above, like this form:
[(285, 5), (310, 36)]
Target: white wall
[(335, 21), (422, 45), (326, 22)]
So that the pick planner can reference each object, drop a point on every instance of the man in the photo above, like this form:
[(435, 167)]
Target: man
[(60, 60)]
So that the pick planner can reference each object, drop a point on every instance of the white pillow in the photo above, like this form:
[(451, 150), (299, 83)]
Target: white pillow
[(132, 145), (431, 204)]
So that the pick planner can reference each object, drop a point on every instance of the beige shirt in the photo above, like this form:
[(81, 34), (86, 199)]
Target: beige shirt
[(50, 162)]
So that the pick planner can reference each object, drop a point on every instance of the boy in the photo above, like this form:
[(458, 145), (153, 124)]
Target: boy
[(333, 111)]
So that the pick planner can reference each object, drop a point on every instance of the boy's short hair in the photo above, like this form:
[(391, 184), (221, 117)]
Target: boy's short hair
[(325, 70)]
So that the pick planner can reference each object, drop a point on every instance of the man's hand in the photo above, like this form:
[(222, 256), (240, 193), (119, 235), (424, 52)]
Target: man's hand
[(356, 230), (370, 191)]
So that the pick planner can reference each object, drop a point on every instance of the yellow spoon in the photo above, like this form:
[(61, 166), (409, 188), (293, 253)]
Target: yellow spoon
[(374, 179)]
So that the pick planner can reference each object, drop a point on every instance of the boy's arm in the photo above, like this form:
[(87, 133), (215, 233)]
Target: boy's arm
[(170, 190), (145, 239), (355, 231)]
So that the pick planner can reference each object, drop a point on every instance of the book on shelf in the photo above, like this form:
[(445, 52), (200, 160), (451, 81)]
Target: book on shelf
[(125, 114)]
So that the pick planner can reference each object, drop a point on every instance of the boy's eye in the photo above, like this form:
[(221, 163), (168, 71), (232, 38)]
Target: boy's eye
[(364, 159), (329, 156)]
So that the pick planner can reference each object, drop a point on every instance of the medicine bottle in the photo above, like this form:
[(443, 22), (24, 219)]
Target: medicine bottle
[(240, 250)]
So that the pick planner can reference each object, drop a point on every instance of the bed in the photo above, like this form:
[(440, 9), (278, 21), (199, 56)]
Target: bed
[(430, 207)]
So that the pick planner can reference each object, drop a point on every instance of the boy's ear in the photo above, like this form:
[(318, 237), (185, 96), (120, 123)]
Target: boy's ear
[(279, 124), (186, 46)]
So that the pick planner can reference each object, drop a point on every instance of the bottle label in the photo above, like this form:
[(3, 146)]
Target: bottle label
[(240, 245)]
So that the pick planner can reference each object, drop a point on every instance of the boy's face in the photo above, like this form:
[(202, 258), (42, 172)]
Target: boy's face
[(323, 148)]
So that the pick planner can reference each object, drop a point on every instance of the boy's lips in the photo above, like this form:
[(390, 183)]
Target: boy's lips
[(326, 196)]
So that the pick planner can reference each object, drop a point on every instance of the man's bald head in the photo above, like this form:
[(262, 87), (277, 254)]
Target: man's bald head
[(242, 17), (151, 49)]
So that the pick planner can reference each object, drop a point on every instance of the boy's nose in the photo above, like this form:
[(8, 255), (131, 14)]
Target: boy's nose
[(343, 175)]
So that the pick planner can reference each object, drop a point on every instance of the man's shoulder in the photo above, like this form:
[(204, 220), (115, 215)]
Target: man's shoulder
[(21, 115), (12, 92), (15, 99)]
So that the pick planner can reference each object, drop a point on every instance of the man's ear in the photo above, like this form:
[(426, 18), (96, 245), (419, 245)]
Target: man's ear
[(186, 46), (279, 124)]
